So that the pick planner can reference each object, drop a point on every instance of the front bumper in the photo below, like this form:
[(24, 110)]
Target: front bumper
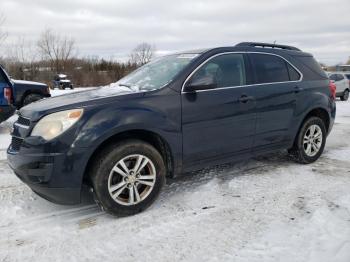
[(53, 169), (40, 172), (6, 112)]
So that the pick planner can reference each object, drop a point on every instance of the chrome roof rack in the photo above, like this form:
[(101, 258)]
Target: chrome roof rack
[(257, 44)]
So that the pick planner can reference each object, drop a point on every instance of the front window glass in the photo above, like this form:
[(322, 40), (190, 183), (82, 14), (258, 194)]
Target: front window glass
[(157, 73), (333, 77), (340, 77), (227, 70)]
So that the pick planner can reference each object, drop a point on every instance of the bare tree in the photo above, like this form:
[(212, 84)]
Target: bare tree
[(142, 54), (23, 56), (3, 34), (56, 48), (23, 51)]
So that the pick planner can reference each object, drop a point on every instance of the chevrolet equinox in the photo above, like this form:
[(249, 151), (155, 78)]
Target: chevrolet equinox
[(176, 114)]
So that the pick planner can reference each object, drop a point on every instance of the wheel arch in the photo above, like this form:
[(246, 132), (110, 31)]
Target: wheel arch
[(147, 136), (27, 93), (318, 112)]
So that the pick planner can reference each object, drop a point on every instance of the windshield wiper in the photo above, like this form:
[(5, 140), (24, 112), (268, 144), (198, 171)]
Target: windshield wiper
[(126, 85), (129, 86)]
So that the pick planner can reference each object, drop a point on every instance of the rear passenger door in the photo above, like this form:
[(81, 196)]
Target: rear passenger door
[(276, 91)]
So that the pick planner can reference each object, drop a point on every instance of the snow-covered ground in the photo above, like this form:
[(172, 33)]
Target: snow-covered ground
[(265, 209)]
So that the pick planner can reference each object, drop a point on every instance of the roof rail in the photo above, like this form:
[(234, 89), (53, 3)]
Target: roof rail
[(257, 44)]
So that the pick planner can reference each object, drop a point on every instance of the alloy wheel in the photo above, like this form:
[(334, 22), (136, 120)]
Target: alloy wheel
[(131, 180), (312, 140)]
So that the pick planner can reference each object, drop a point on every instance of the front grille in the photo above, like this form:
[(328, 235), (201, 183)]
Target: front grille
[(23, 121), (16, 143)]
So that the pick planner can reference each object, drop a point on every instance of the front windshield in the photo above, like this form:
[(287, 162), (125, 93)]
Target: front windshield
[(157, 73)]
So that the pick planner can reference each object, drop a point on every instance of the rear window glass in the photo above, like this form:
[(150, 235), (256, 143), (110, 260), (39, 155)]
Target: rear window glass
[(2, 78), (269, 68), (293, 74)]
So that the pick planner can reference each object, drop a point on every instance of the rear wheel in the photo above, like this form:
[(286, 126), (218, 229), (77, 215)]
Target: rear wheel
[(345, 95), (31, 98), (127, 177), (310, 141)]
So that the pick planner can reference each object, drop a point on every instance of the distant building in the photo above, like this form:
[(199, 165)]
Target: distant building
[(342, 68)]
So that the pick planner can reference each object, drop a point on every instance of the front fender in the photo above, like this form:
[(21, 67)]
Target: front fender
[(103, 123)]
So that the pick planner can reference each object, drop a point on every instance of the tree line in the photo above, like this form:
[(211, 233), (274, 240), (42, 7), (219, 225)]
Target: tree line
[(55, 53)]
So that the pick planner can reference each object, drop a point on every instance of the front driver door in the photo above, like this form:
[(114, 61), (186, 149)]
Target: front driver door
[(219, 122)]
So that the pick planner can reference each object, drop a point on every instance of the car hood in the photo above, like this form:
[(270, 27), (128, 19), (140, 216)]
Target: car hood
[(92, 97)]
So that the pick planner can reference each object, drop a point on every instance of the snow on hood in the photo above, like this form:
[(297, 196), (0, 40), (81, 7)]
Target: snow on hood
[(82, 98)]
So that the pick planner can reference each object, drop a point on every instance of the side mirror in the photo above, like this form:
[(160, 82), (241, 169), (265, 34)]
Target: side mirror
[(202, 83)]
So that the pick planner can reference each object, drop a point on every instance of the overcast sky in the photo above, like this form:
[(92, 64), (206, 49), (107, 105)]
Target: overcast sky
[(111, 28)]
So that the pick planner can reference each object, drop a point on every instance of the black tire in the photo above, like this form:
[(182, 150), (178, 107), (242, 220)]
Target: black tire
[(31, 98), (105, 162), (345, 95), (298, 152)]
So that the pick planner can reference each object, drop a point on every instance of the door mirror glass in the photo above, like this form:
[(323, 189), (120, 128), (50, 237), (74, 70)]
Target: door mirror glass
[(201, 83)]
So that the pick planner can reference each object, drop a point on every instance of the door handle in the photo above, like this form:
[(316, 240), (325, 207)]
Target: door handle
[(298, 89), (245, 99)]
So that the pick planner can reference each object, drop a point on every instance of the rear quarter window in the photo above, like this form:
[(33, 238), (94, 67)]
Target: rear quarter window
[(312, 64)]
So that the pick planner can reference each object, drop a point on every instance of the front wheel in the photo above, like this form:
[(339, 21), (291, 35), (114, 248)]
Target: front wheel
[(345, 95), (127, 177), (310, 142)]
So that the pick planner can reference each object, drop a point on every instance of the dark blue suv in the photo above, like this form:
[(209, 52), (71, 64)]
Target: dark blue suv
[(179, 113), (6, 96)]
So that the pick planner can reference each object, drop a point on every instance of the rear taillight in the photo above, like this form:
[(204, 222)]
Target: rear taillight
[(8, 94), (333, 89)]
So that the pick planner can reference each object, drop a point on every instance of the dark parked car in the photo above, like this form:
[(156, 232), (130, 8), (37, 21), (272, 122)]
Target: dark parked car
[(62, 82), (179, 113), (342, 84), (15, 94), (26, 92)]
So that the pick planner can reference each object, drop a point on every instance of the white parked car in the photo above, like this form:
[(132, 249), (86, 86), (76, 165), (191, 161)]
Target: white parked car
[(342, 82)]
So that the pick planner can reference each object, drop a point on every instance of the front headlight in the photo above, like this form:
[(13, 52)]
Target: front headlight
[(53, 125)]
